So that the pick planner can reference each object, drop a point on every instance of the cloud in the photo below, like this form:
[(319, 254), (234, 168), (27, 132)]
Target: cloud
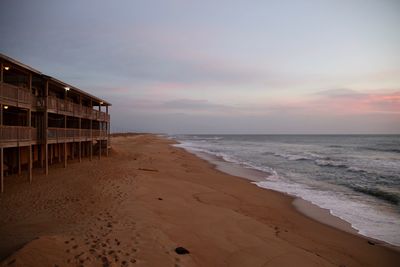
[(351, 101), (192, 104), (341, 92)]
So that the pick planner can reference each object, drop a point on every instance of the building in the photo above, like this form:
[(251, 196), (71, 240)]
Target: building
[(44, 120)]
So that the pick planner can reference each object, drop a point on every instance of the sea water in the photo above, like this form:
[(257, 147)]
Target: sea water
[(355, 177)]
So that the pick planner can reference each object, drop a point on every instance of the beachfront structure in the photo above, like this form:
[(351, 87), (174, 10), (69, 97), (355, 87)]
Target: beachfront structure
[(44, 120)]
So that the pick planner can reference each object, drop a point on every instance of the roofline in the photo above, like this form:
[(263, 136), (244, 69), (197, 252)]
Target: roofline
[(22, 65), (16, 62), (73, 88)]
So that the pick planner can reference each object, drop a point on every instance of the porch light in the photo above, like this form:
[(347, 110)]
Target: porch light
[(6, 67), (5, 107), (67, 88), (101, 103)]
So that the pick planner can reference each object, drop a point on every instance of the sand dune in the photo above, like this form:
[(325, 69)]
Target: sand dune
[(147, 198)]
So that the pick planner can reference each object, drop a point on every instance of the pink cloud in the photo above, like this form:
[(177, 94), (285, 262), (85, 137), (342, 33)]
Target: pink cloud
[(352, 102)]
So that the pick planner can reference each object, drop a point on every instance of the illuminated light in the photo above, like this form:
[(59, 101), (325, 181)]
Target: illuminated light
[(6, 68), (101, 103), (67, 88), (5, 107)]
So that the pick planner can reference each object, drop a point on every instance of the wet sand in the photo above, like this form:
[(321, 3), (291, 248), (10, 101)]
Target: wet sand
[(147, 198), (306, 207)]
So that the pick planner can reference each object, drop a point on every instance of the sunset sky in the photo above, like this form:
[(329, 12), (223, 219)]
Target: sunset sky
[(183, 66)]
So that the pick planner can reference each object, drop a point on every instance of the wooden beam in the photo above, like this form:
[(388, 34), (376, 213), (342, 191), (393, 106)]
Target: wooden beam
[(65, 141), (30, 161), (91, 150), (80, 151), (30, 165), (80, 130), (40, 155), (51, 153), (1, 72), (91, 133), (46, 126), (71, 145), (100, 133), (59, 152), (65, 155), (19, 161), (46, 158), (107, 130)]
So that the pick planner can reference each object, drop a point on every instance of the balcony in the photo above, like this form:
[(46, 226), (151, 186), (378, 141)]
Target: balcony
[(22, 97), (15, 96), (56, 135), (65, 107), (13, 135)]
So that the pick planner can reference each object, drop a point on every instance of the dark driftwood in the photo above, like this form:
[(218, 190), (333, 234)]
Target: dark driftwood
[(147, 170)]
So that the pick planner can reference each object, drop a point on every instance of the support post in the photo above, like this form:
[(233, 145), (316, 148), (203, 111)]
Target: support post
[(91, 133), (65, 141), (46, 158), (1, 72), (59, 153), (100, 132), (45, 128), (1, 152), (91, 150), (107, 131), (51, 153), (40, 155), (19, 161), (65, 155), (30, 164), (80, 151), (2, 170), (80, 131)]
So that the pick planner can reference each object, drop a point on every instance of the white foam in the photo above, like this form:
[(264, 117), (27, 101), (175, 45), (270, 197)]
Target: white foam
[(365, 216), (371, 217), (191, 147)]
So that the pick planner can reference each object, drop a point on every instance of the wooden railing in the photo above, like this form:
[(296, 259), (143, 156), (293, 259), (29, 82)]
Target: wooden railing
[(75, 134), (17, 133), (71, 108), (23, 96), (14, 93), (99, 134)]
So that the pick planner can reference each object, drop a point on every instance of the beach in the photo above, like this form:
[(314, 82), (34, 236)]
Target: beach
[(135, 207)]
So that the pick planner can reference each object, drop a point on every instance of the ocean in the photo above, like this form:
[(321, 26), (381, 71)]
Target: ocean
[(355, 177)]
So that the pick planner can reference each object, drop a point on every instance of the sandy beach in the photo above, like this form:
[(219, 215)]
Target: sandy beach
[(147, 198)]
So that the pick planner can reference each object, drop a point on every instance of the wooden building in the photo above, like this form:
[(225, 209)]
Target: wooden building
[(44, 121)]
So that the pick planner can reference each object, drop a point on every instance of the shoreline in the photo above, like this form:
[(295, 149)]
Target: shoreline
[(148, 198), (303, 206)]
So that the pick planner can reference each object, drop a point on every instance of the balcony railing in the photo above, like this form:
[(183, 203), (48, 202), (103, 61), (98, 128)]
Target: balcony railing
[(71, 108), (22, 96), (15, 94), (17, 133), (75, 134)]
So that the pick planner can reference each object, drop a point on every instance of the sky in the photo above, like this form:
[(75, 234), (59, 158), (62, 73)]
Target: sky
[(240, 67)]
